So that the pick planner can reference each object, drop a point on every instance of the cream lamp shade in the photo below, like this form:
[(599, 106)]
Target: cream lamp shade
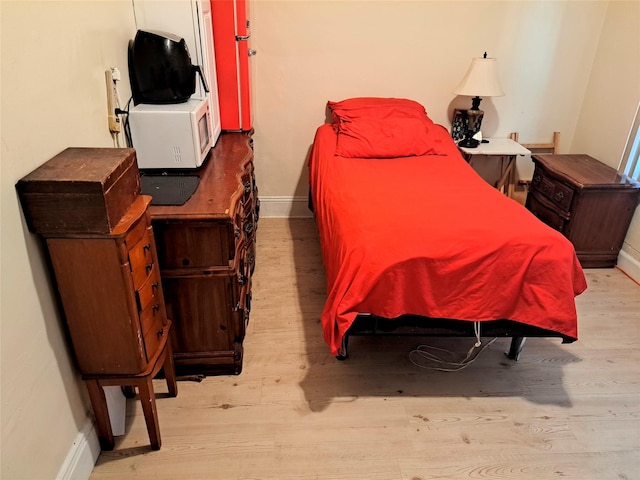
[(481, 80)]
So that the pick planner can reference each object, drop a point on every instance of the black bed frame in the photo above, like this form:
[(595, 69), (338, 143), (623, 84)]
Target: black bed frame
[(415, 325)]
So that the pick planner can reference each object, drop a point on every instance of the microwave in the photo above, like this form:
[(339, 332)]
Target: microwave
[(177, 135)]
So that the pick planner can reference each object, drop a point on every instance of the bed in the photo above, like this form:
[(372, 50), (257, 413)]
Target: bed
[(414, 241)]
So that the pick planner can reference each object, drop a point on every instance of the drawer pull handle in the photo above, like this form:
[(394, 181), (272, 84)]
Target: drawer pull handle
[(154, 286), (559, 196), (247, 187), (156, 307), (147, 247), (536, 179), (149, 267), (160, 333)]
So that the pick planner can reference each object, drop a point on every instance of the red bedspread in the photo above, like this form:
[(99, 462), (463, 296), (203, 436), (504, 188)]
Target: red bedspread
[(426, 235)]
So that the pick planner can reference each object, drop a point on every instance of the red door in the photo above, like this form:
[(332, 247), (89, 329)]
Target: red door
[(231, 34)]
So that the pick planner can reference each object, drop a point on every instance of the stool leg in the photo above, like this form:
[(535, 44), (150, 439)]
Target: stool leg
[(170, 371), (148, 400), (99, 404)]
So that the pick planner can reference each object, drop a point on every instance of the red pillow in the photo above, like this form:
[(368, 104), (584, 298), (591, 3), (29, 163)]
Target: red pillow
[(377, 108), (383, 138), (382, 128)]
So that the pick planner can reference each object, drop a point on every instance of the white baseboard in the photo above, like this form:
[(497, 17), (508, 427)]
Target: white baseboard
[(83, 454), (630, 265), (284, 207)]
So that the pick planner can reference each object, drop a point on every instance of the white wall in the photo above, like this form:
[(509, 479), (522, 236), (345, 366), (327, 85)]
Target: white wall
[(609, 106), (54, 55), (313, 51)]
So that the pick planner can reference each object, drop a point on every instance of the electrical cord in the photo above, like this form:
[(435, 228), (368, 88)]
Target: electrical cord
[(125, 123), (423, 357)]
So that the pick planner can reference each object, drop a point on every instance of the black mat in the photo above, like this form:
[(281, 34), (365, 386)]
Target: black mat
[(169, 189)]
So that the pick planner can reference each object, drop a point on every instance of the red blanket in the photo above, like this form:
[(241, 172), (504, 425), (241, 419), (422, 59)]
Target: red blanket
[(426, 235)]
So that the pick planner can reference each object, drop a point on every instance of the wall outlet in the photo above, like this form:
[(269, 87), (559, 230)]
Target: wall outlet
[(114, 120)]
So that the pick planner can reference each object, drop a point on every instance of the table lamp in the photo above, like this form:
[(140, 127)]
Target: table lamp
[(480, 80)]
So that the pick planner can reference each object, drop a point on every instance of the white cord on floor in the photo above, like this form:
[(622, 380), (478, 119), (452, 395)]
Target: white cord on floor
[(424, 358)]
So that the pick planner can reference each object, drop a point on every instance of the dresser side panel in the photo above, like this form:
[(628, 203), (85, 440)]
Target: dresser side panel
[(103, 322)]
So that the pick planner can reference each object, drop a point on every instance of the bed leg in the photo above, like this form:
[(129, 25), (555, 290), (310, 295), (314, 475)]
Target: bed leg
[(517, 343), (343, 352)]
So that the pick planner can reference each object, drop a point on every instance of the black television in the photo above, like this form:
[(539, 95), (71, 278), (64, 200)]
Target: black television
[(160, 69)]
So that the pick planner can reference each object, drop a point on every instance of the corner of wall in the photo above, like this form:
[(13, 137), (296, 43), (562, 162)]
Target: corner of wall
[(284, 207), (629, 265)]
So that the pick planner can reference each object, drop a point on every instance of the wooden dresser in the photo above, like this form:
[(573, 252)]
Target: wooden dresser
[(589, 202), (206, 250), (86, 204)]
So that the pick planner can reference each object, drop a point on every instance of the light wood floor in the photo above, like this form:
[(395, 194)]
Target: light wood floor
[(561, 411)]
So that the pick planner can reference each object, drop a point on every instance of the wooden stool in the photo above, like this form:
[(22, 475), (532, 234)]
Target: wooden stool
[(144, 383)]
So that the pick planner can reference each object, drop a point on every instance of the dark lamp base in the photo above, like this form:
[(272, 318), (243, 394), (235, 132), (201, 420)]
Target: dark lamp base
[(469, 143)]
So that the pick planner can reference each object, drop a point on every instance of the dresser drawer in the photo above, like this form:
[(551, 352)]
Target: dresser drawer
[(152, 320), (247, 185), (556, 191), (545, 210), (194, 244), (141, 260), (147, 293)]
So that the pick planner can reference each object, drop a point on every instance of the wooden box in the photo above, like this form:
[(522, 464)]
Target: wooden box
[(80, 190)]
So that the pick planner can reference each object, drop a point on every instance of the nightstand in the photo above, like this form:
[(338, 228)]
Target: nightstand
[(505, 148), (588, 201)]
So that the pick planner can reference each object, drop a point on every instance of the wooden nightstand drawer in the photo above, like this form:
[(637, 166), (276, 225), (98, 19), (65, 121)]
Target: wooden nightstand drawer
[(545, 211), (559, 193)]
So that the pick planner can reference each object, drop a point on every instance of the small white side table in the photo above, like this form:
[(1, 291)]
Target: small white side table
[(499, 147)]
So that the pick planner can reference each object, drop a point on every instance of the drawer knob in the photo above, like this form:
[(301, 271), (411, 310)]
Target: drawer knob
[(536, 179), (559, 196), (147, 247), (149, 267), (160, 333), (156, 307)]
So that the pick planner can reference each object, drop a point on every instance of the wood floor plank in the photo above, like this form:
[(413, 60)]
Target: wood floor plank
[(569, 411)]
